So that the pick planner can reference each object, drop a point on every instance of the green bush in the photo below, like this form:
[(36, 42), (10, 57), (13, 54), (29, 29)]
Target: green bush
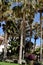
[(37, 63)]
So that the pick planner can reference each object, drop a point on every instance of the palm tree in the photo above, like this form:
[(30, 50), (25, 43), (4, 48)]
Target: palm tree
[(18, 16), (24, 22), (40, 10), (4, 17)]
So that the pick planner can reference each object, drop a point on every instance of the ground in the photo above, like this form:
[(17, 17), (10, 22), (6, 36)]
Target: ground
[(4, 63)]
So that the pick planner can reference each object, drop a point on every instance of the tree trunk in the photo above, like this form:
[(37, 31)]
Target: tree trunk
[(41, 37), (21, 44), (5, 46), (34, 45), (21, 41)]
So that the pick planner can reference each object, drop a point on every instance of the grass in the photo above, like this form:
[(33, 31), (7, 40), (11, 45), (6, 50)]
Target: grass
[(5, 63)]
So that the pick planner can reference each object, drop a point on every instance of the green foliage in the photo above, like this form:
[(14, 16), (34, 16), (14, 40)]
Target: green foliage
[(28, 47), (37, 52), (14, 43), (13, 26), (37, 49), (4, 63)]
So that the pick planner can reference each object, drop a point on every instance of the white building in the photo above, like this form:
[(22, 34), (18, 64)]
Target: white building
[(1, 43)]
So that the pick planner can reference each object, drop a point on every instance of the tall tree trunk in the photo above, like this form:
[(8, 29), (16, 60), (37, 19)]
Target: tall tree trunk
[(22, 30), (34, 44), (5, 46), (21, 44), (41, 37)]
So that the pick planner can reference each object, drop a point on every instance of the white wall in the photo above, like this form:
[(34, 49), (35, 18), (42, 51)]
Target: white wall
[(1, 47)]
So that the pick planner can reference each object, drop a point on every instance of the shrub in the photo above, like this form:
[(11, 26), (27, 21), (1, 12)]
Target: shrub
[(30, 56), (37, 63)]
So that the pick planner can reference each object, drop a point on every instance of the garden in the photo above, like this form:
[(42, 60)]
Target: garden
[(19, 28)]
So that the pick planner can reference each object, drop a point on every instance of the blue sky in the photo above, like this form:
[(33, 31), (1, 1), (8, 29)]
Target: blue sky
[(36, 19), (1, 31)]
